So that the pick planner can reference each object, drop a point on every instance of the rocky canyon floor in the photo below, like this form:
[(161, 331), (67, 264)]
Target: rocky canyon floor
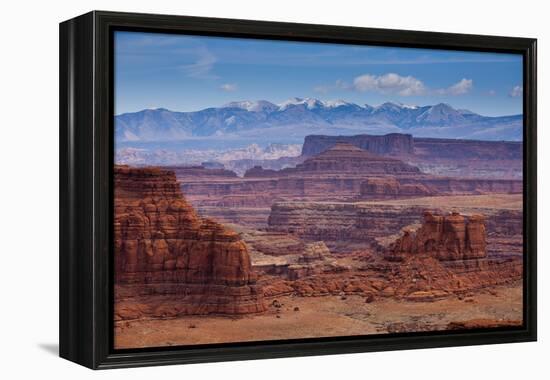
[(290, 317)]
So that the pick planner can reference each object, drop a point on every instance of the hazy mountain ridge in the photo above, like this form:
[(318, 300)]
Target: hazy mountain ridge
[(292, 120), (229, 158)]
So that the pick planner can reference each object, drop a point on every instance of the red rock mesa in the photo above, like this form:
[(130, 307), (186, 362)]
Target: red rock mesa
[(163, 248)]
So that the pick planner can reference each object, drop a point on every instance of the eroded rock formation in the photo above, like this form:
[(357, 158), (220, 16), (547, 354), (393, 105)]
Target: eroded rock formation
[(345, 157), (398, 144), (448, 237), (340, 225), (162, 247), (447, 157), (362, 223), (343, 172)]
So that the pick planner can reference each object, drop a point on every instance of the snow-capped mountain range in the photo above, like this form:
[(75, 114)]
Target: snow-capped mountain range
[(289, 122)]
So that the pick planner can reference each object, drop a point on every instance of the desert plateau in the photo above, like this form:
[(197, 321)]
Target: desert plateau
[(356, 235)]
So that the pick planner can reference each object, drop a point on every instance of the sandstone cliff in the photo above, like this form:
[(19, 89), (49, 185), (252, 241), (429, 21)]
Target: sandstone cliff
[(390, 187), (342, 226), (345, 157), (342, 158), (390, 144), (446, 157), (343, 172), (449, 237), (163, 248), (351, 225)]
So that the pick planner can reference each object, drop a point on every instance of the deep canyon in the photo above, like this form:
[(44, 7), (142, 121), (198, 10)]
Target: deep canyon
[(360, 235)]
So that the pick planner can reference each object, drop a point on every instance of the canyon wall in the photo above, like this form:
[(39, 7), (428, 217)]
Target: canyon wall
[(335, 223), (343, 172), (446, 157), (263, 191), (391, 144), (457, 149), (390, 187), (364, 224), (398, 144), (348, 158), (162, 247)]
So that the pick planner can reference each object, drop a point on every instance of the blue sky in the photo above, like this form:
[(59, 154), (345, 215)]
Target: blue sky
[(188, 73)]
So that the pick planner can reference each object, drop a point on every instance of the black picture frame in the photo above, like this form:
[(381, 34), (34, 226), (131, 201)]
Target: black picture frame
[(86, 189)]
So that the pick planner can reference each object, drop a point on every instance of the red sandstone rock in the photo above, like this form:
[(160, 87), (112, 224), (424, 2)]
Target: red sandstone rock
[(163, 248), (389, 187), (343, 172), (450, 237), (342, 158), (390, 144), (453, 157), (340, 224)]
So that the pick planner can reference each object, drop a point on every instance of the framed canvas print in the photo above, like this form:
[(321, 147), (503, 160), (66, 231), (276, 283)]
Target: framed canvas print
[(238, 189)]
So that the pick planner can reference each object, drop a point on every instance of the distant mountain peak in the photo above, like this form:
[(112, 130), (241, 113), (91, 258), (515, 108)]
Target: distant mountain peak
[(252, 105), (313, 103), (154, 109), (310, 103), (339, 103), (395, 106), (388, 106), (443, 106)]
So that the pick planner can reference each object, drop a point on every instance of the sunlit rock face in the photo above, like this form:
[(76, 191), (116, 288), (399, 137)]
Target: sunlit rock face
[(445, 237), (162, 247)]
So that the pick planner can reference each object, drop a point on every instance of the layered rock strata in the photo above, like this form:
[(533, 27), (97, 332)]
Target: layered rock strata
[(336, 223), (445, 237), (417, 278), (401, 145), (311, 260), (343, 172), (390, 187), (391, 144), (345, 157), (163, 248), (446, 157), (363, 224)]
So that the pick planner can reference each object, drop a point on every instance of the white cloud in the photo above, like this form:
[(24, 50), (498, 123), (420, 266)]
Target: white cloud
[(516, 91), (491, 93), (229, 87), (395, 84), (460, 88), (390, 83)]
